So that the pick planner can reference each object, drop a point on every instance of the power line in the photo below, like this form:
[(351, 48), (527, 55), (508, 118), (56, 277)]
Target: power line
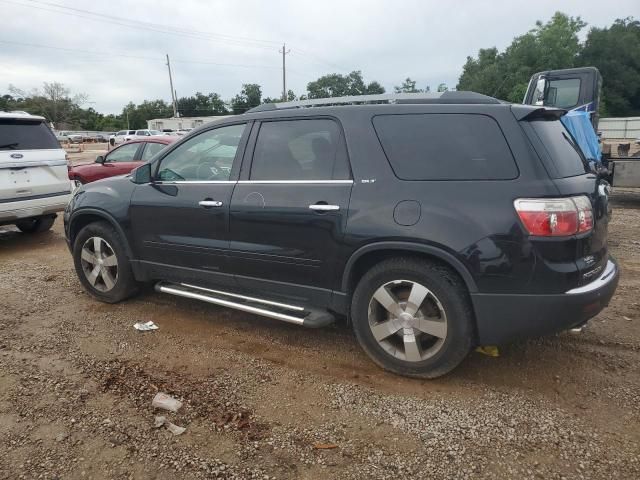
[(317, 59), (137, 57), (146, 26), (155, 25)]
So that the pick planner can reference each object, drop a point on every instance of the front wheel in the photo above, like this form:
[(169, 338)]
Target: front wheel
[(101, 263), (36, 224), (413, 317)]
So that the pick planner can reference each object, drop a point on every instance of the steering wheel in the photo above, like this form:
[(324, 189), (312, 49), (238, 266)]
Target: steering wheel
[(207, 171)]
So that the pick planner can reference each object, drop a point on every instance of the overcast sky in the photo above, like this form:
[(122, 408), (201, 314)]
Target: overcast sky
[(237, 42)]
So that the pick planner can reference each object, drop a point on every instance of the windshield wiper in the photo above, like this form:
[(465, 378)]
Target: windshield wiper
[(12, 146), (578, 150)]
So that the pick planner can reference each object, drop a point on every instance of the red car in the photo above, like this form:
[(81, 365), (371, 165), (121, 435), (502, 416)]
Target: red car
[(120, 160)]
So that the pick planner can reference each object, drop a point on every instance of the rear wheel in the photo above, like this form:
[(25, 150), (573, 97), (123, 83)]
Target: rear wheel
[(36, 224), (101, 263), (413, 317)]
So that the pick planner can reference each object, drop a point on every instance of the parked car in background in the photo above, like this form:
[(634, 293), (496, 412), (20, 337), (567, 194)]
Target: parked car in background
[(126, 135), (69, 137), (452, 220), (121, 137), (33, 173), (119, 161)]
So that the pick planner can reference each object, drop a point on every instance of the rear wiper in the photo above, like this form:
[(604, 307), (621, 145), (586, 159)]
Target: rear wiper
[(578, 150), (10, 145)]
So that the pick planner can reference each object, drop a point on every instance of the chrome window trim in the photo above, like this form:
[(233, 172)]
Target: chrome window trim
[(256, 182), (194, 182)]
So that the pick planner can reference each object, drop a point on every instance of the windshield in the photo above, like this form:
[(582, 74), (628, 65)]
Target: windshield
[(154, 132), (26, 135)]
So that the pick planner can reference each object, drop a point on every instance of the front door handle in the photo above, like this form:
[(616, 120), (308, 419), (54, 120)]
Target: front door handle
[(208, 203), (323, 207)]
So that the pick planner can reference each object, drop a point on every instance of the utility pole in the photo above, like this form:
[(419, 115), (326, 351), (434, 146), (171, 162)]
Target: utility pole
[(284, 52), (173, 94), (127, 119)]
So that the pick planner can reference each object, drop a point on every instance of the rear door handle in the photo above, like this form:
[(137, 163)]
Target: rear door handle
[(323, 207), (209, 203)]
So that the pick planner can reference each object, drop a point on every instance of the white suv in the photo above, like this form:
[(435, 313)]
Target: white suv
[(34, 179), (126, 135)]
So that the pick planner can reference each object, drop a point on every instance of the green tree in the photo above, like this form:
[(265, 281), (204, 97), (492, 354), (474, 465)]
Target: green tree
[(615, 51), (53, 101), (443, 87), (249, 97), (201, 105), (139, 114), (291, 96), (547, 46), (337, 85), (408, 86)]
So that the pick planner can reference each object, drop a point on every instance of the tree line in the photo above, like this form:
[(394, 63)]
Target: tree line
[(614, 50)]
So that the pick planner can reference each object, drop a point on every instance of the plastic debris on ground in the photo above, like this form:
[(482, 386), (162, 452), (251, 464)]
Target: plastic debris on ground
[(172, 427), (145, 326), (166, 402), (488, 350)]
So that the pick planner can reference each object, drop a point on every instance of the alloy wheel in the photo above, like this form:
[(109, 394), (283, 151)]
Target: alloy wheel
[(407, 320), (99, 264)]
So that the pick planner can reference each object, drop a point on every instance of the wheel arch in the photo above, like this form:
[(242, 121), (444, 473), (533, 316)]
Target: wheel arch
[(84, 217), (365, 257)]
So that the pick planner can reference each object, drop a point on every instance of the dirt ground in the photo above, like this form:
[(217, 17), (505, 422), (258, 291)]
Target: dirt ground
[(264, 399)]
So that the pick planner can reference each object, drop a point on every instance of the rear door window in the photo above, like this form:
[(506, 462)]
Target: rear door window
[(306, 149), (25, 135), (561, 148), (445, 147), (150, 150)]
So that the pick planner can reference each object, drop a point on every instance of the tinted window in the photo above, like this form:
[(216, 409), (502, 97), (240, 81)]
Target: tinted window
[(563, 93), (21, 135), (151, 149), (445, 147), (124, 153), (206, 157), (300, 150), (560, 146)]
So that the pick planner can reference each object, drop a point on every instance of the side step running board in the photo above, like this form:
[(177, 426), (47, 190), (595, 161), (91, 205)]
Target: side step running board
[(307, 317)]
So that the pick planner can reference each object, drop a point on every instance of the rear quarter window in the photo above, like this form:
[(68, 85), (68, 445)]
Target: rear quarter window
[(560, 147), (26, 135), (445, 146)]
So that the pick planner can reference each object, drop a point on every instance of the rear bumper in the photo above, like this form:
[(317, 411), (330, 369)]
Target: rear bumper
[(502, 317), (34, 207)]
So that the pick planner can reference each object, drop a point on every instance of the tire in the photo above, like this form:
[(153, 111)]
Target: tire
[(398, 344), (36, 224), (107, 279), (112, 142)]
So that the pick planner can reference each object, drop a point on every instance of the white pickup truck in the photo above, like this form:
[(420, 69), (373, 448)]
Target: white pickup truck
[(34, 179)]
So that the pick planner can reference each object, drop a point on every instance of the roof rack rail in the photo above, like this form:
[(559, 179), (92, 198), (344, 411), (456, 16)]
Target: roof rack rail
[(458, 97)]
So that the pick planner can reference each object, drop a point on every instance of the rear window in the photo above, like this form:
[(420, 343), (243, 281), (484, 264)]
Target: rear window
[(445, 147), (25, 135), (560, 147)]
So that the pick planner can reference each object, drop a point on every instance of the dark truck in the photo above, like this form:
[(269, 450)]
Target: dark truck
[(433, 223), (578, 89)]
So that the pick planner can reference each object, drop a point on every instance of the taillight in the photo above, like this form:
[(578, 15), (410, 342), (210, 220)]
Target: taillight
[(555, 217)]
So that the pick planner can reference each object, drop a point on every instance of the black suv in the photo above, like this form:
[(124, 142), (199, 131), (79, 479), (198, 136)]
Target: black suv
[(433, 222)]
